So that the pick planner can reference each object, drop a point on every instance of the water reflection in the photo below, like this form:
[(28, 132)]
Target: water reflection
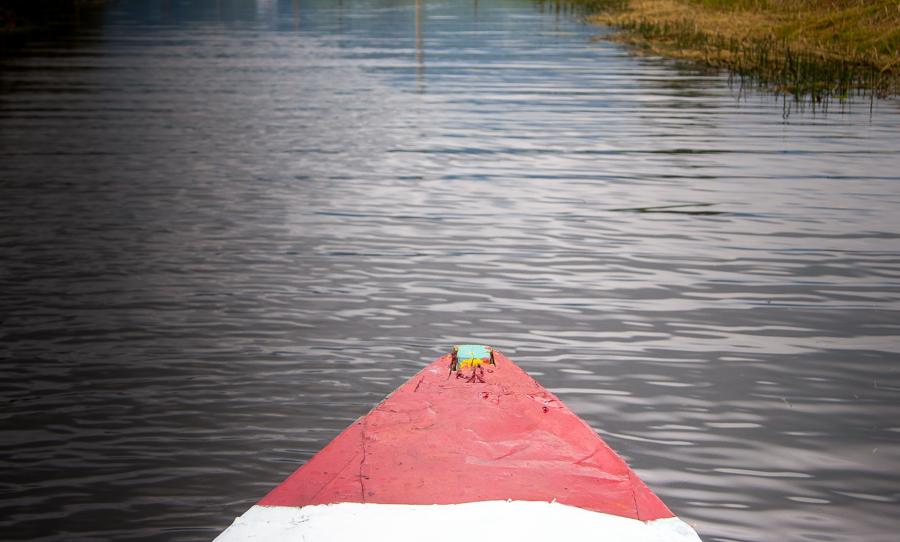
[(232, 227), (295, 14), (420, 48)]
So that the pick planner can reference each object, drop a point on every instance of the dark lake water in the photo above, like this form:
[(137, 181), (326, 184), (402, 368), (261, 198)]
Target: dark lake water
[(230, 228)]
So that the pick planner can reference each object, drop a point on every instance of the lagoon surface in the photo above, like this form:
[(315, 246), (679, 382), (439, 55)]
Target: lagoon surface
[(229, 228)]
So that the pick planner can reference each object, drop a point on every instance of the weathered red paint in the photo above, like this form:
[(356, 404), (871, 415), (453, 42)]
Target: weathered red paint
[(443, 440)]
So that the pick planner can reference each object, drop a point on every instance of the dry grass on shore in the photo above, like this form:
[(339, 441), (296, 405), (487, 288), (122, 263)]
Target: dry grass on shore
[(815, 48)]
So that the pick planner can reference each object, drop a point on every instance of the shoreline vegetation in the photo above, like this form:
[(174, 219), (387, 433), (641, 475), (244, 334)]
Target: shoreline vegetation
[(812, 49)]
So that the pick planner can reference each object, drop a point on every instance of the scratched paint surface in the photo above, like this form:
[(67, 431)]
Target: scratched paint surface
[(440, 439)]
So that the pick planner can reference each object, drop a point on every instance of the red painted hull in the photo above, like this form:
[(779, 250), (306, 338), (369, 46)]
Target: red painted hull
[(439, 439)]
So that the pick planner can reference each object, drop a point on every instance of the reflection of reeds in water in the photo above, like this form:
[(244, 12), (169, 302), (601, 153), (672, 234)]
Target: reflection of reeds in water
[(582, 7), (814, 51)]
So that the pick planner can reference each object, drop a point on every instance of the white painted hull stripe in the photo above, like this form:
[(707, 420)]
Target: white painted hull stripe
[(494, 521)]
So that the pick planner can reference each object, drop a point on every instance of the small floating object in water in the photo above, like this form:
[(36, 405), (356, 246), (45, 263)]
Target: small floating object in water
[(489, 455)]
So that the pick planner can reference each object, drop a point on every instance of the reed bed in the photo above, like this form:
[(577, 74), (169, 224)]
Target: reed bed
[(816, 50)]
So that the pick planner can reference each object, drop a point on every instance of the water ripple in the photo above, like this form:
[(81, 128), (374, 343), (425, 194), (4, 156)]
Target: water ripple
[(230, 228)]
